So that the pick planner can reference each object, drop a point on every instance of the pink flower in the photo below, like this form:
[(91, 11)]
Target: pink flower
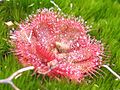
[(57, 46)]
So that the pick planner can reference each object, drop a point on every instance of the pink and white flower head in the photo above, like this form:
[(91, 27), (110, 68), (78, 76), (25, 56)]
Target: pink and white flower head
[(57, 46)]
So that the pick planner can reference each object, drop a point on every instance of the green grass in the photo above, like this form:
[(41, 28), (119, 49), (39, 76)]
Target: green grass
[(103, 15)]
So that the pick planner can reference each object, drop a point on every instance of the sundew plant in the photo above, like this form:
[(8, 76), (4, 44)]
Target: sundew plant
[(66, 45)]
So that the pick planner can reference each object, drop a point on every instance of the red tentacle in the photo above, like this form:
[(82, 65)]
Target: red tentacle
[(44, 53)]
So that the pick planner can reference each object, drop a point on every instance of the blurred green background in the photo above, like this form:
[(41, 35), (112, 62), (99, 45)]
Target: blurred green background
[(103, 15)]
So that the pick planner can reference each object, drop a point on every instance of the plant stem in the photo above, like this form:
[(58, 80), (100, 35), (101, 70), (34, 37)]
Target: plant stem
[(10, 78), (114, 73)]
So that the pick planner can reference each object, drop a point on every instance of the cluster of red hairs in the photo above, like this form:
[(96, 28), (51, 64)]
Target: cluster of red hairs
[(57, 46)]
